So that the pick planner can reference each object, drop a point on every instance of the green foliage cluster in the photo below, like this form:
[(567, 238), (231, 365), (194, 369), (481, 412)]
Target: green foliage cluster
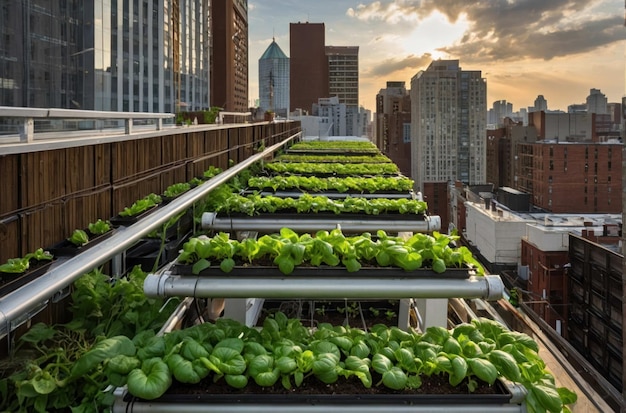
[(332, 168), (306, 203), (21, 265), (176, 189), (288, 250), (334, 158), (316, 184), (99, 227), (54, 365), (353, 146), (285, 353), (141, 205)]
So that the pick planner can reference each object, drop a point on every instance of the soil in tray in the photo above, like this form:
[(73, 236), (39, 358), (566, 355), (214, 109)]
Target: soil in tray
[(433, 385)]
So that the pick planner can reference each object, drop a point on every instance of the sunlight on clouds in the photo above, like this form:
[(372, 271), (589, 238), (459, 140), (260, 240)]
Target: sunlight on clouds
[(434, 32)]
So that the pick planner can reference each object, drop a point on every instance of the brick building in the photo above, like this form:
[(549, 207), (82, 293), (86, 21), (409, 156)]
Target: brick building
[(393, 125), (571, 177), (308, 71)]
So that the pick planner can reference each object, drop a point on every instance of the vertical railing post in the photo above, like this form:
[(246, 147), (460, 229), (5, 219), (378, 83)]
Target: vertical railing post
[(128, 123), (27, 131), (159, 124)]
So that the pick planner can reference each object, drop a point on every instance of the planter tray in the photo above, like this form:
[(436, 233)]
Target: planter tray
[(122, 221), (338, 151), (146, 251), (66, 249), (296, 216), (324, 271), (10, 282), (501, 395)]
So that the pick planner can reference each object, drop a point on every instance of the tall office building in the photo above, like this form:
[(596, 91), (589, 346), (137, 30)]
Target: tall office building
[(274, 80), (343, 82), (229, 74), (149, 56), (448, 124), (308, 73)]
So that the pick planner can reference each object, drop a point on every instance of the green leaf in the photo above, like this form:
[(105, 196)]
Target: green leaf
[(200, 265), (483, 369), (151, 381), (105, 349), (506, 365), (395, 378)]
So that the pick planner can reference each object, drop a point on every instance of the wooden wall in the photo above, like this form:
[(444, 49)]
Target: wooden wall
[(48, 194)]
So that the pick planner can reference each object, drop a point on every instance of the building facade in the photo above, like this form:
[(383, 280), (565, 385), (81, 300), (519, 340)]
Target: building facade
[(308, 72), (393, 124), (274, 80), (597, 102), (150, 56), (448, 124), (571, 177), (229, 74), (343, 82)]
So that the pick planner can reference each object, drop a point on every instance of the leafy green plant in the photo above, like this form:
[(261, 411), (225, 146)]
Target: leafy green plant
[(141, 205), (390, 314), (287, 250), (255, 203), (177, 189), (354, 146), (79, 238), (211, 172), (375, 158), (333, 168), (76, 365), (99, 227), (317, 184), (21, 265)]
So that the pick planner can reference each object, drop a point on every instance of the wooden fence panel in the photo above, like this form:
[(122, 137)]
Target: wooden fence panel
[(10, 174), (80, 169), (42, 227), (83, 209), (42, 176), (124, 162), (10, 237), (174, 149), (125, 195)]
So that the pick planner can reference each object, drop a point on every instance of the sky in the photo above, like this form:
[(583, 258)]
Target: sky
[(556, 48)]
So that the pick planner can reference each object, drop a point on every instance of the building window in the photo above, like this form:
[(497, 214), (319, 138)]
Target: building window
[(406, 133)]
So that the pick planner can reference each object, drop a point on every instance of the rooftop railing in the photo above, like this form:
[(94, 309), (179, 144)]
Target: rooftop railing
[(20, 122)]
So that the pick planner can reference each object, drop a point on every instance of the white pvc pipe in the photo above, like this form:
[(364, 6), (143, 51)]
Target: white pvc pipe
[(488, 287), (307, 223)]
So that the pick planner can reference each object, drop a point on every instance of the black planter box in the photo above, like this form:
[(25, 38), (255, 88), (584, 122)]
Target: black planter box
[(501, 395), (123, 221), (10, 282), (66, 249), (146, 252)]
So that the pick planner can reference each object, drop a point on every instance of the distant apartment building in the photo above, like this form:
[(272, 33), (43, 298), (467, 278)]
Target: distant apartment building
[(101, 55), (448, 124), (561, 177), (500, 110), (541, 104), (573, 127), (501, 143), (597, 102), (393, 124), (343, 78), (308, 73), (274, 80), (332, 116), (229, 75)]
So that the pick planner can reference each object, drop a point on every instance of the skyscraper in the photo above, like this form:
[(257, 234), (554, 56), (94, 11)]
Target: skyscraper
[(229, 76), (393, 124), (102, 55), (343, 81), (308, 73), (541, 104), (448, 124), (274, 80)]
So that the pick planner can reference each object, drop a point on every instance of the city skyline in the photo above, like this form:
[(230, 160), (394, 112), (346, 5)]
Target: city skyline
[(560, 49)]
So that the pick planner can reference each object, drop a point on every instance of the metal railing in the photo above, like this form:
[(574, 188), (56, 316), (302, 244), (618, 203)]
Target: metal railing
[(27, 116)]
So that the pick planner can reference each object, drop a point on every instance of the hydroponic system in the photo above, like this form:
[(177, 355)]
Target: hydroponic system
[(230, 311)]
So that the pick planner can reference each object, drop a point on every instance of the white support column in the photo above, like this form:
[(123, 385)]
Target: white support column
[(433, 312)]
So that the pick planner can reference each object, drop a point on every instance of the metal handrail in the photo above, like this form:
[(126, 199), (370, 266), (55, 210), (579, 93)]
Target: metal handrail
[(27, 131), (17, 305)]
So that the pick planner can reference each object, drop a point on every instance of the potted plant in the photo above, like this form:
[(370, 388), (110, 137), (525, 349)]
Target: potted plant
[(18, 271), (269, 116), (81, 240), (137, 210)]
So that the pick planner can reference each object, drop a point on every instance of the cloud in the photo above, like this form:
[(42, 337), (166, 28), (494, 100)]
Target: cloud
[(389, 66), (507, 30)]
